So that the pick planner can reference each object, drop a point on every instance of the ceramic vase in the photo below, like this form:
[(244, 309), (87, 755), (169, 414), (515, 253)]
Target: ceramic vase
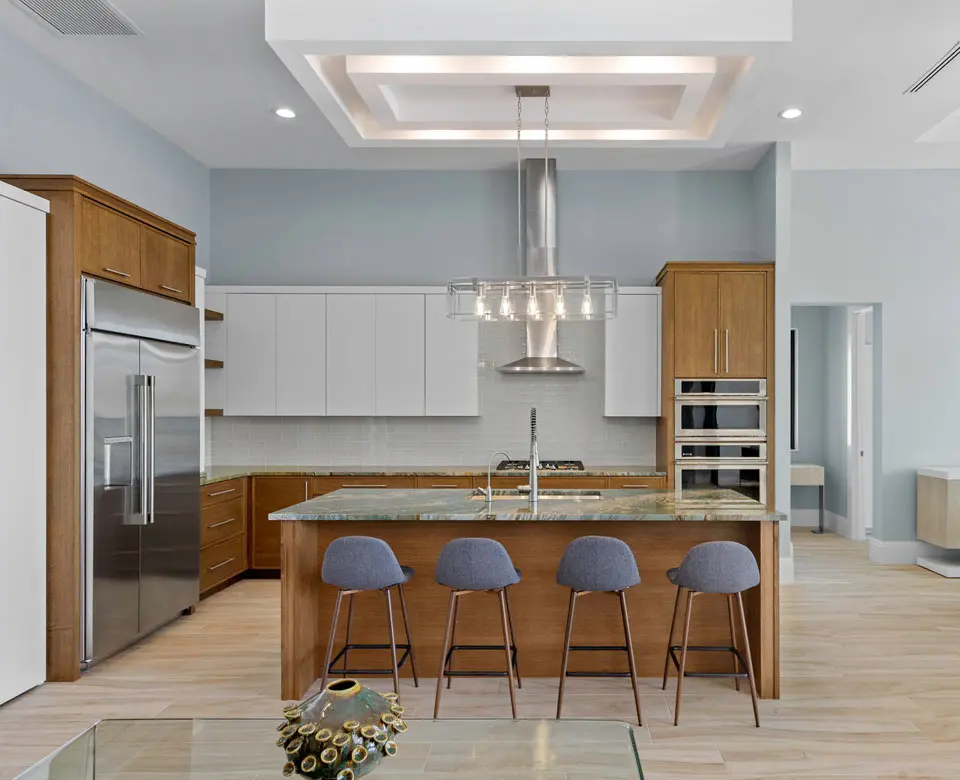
[(341, 733)]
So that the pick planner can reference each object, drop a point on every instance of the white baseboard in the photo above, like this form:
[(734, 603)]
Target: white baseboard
[(786, 569), (838, 524), (810, 518), (899, 552)]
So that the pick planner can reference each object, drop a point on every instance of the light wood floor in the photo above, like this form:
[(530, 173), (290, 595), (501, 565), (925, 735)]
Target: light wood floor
[(871, 682)]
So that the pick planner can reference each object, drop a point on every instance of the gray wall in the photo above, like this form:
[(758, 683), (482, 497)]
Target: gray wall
[(50, 122), (425, 227), (890, 238), (811, 390), (570, 417), (835, 412)]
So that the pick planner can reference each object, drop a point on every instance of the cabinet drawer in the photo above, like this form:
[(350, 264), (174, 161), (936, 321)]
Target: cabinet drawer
[(445, 482), (573, 483), (166, 265), (500, 483), (109, 244), (221, 491), (321, 485), (221, 521), (221, 562), (630, 483)]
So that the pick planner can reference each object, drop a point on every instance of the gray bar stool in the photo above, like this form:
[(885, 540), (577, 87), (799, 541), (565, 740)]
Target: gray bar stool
[(599, 564), (727, 568), (474, 565), (354, 564)]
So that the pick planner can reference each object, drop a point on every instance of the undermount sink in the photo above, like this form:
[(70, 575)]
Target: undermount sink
[(545, 495)]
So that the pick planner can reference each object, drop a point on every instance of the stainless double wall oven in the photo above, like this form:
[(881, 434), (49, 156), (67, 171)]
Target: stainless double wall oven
[(721, 437)]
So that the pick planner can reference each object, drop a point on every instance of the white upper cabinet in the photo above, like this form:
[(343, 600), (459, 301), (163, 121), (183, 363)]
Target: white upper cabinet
[(631, 381), (302, 355), (251, 354), (399, 356), (351, 355), (452, 357)]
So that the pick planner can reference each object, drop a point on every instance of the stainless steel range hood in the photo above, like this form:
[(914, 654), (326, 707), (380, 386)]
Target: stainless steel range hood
[(540, 260)]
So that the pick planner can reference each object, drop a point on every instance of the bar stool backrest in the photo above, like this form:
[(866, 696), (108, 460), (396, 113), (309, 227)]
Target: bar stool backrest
[(475, 564), (719, 567), (361, 563), (598, 563)]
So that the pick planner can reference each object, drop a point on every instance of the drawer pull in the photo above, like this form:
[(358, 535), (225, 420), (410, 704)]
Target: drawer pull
[(444, 486), (223, 522), (214, 568), (171, 289), (634, 486), (222, 492), (358, 486), (115, 271)]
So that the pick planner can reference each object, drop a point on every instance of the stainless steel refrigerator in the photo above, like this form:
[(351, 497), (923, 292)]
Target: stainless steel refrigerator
[(140, 389)]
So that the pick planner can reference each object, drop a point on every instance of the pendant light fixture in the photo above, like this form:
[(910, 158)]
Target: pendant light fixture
[(540, 295)]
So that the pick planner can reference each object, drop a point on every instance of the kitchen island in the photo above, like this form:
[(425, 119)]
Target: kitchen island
[(417, 523)]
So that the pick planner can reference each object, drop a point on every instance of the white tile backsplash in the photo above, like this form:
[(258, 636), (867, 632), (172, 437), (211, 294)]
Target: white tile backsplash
[(569, 412)]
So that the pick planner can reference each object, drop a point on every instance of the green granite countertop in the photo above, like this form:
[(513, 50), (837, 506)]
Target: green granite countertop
[(457, 504), (220, 473)]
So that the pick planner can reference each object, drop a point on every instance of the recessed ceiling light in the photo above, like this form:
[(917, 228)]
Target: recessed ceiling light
[(286, 113), (791, 113)]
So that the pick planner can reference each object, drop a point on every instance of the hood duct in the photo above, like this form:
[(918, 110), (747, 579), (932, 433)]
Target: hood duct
[(540, 260)]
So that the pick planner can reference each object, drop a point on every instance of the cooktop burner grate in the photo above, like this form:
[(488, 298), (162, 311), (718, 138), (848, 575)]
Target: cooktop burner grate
[(545, 465)]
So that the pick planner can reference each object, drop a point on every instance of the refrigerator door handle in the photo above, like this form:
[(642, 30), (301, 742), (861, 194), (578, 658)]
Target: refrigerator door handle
[(152, 447), (143, 386)]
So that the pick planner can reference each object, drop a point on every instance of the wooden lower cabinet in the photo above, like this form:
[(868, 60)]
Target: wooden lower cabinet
[(221, 561), (269, 495), (222, 521), (321, 485)]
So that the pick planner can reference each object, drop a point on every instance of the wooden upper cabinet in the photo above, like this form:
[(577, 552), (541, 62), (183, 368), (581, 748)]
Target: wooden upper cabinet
[(743, 320), (109, 243), (696, 314), (166, 265)]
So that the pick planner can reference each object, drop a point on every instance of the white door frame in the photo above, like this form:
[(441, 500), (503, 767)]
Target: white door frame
[(861, 421)]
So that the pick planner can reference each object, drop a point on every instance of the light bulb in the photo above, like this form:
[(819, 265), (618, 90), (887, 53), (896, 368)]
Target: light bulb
[(587, 308), (506, 308), (533, 307), (561, 307)]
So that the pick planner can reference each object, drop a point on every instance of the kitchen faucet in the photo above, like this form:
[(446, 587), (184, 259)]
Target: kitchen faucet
[(489, 478), (534, 462)]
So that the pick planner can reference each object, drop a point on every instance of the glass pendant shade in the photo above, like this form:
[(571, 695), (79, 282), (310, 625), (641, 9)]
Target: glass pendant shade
[(567, 298)]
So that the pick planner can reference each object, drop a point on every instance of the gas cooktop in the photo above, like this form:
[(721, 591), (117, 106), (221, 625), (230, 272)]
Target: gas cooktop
[(545, 465)]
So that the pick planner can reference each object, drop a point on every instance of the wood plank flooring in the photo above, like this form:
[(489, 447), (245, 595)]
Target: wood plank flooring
[(871, 682)]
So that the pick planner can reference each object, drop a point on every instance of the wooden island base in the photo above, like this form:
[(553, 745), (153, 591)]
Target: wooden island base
[(539, 605)]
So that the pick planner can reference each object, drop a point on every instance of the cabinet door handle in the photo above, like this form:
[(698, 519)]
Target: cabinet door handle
[(115, 271), (359, 486), (214, 568), (222, 492), (222, 522), (716, 349), (306, 490), (444, 486), (633, 486), (726, 349), (171, 289)]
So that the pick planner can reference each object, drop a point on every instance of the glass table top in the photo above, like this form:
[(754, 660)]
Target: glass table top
[(245, 749)]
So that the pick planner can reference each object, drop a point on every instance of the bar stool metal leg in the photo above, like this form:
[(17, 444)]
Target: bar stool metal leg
[(331, 640), (443, 653), (566, 650), (406, 631), (733, 640), (507, 643), (633, 661), (683, 655), (513, 637), (453, 637), (346, 644), (673, 625), (749, 660), (393, 642)]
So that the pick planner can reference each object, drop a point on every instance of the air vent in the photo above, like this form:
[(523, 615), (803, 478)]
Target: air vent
[(927, 77), (80, 17)]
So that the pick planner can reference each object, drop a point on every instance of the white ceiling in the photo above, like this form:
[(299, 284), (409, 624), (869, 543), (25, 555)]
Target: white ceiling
[(203, 75)]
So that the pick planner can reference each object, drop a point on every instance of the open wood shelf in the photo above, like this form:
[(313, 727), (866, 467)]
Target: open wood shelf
[(212, 316), (213, 413), (210, 363)]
